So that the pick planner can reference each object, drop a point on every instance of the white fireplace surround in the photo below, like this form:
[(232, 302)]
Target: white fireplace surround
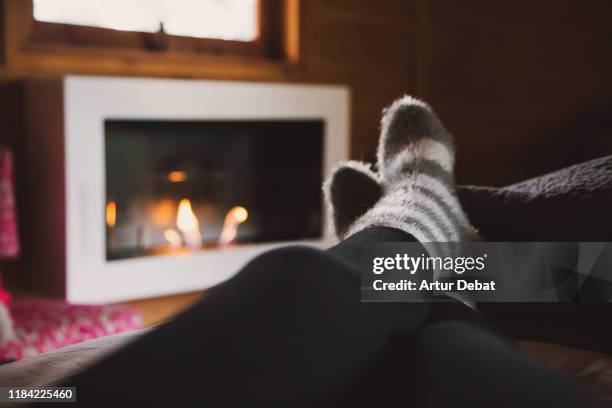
[(90, 278)]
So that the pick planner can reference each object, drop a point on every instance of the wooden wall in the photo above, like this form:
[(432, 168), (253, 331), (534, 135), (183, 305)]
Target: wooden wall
[(524, 85), (370, 45)]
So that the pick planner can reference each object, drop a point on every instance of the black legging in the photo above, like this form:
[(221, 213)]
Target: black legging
[(289, 330)]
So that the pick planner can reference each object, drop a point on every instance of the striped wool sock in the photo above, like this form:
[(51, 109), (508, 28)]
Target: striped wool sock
[(415, 171)]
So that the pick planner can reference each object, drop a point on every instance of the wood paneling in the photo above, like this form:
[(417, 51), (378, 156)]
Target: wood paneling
[(522, 84), (44, 223), (368, 45)]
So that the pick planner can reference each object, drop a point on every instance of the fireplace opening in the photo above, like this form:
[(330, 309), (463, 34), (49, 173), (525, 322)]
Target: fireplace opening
[(180, 186)]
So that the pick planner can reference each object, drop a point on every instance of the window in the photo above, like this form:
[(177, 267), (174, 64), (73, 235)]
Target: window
[(220, 19), (244, 39)]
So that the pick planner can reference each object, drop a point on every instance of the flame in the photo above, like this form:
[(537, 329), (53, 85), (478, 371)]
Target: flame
[(236, 216), (187, 222), (111, 213), (177, 176), (173, 238)]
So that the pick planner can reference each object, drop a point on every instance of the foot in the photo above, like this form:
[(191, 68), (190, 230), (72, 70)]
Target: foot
[(351, 190), (415, 174)]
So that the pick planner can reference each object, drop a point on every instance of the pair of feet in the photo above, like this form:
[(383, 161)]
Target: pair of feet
[(413, 189)]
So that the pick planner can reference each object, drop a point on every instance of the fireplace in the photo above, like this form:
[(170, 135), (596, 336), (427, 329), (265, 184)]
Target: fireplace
[(147, 187), (179, 186)]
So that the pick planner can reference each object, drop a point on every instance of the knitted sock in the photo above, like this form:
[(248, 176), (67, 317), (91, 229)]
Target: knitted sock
[(415, 174), (351, 190)]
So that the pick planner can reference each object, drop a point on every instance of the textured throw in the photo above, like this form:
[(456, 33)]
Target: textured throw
[(42, 325)]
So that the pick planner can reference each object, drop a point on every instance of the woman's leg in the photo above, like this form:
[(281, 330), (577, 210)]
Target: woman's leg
[(288, 330)]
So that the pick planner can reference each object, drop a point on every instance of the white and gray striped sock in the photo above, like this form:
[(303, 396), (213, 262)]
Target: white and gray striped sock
[(415, 171)]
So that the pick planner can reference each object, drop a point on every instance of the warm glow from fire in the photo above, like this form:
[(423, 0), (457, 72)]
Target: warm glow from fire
[(163, 212), (233, 219), (187, 222), (177, 176), (111, 213), (173, 238)]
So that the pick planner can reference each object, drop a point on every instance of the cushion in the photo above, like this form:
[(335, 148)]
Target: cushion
[(569, 205), (572, 205), (43, 325)]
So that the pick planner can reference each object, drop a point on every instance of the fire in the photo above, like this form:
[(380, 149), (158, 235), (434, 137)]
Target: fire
[(236, 216), (173, 238), (188, 224), (111, 213)]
